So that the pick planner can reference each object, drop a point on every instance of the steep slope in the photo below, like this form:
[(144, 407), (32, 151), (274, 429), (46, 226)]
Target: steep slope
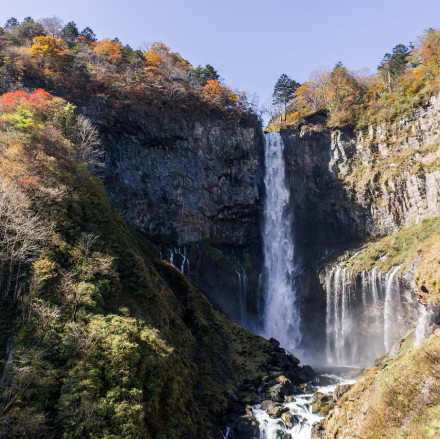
[(100, 337), (398, 399)]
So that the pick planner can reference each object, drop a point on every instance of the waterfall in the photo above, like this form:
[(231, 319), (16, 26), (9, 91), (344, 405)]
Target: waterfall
[(392, 294), (362, 318), (341, 347), (281, 316), (184, 261), (242, 293), (419, 333)]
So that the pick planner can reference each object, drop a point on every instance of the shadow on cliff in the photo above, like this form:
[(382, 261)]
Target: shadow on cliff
[(327, 218)]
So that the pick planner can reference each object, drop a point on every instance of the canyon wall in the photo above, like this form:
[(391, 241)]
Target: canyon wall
[(194, 185)]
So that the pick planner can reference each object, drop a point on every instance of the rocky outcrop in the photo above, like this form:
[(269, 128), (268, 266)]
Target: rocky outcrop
[(195, 187), (349, 185), (352, 184)]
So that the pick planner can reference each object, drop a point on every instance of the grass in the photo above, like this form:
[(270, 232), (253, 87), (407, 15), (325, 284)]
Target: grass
[(413, 247), (388, 401)]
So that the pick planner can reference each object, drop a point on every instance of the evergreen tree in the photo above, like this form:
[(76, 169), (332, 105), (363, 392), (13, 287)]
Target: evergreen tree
[(204, 74), (70, 32), (394, 64), (283, 92)]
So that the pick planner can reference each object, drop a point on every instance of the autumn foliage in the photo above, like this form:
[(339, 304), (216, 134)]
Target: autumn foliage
[(112, 50), (38, 97), (50, 46)]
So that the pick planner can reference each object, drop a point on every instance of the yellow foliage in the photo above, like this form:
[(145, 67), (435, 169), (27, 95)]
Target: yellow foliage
[(48, 45)]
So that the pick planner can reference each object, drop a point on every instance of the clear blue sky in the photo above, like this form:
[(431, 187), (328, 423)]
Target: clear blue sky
[(251, 42)]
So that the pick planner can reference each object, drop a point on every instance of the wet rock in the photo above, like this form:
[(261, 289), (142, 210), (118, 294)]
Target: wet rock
[(426, 394), (318, 430), (286, 436), (283, 388), (322, 403), (322, 380), (287, 418), (265, 404), (246, 427), (303, 388), (275, 410), (395, 349)]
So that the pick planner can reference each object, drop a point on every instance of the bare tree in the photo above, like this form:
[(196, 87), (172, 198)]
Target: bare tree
[(86, 137), (22, 236), (52, 26)]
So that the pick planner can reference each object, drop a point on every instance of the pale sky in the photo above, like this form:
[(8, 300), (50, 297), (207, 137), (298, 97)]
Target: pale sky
[(251, 42)]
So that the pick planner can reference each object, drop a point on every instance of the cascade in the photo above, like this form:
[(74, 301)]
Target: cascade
[(281, 315), (242, 292), (419, 334), (392, 298), (363, 316), (184, 261)]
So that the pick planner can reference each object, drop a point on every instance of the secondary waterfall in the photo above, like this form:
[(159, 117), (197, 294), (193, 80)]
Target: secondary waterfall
[(364, 315), (281, 315)]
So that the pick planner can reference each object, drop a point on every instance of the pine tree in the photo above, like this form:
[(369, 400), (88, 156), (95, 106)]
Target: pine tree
[(283, 92)]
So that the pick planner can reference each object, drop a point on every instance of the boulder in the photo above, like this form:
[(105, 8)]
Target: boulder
[(322, 380), (275, 410), (288, 419)]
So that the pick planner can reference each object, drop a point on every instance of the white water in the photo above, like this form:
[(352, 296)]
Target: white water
[(301, 408), (361, 325), (419, 333), (281, 316), (184, 261), (242, 292), (392, 295)]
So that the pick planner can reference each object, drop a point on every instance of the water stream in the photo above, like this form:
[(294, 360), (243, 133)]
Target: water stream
[(281, 315), (301, 409)]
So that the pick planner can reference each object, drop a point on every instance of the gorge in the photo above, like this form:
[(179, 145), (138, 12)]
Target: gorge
[(171, 269)]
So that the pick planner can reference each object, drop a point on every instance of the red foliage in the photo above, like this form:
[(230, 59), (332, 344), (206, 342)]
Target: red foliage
[(38, 97), (12, 98)]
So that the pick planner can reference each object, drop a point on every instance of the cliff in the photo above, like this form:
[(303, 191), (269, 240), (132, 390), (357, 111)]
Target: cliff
[(194, 185)]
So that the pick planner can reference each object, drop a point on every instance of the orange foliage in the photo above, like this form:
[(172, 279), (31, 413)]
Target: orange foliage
[(219, 94), (108, 48)]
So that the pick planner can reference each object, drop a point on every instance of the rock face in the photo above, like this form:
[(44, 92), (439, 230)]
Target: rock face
[(196, 188), (349, 185)]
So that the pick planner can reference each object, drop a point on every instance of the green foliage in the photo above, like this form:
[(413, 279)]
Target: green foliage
[(108, 340), (284, 90), (204, 74)]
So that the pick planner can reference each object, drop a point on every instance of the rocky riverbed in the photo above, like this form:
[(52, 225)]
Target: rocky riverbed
[(294, 412)]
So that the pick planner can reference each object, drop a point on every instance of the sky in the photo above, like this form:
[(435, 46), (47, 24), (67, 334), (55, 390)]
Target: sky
[(251, 42)]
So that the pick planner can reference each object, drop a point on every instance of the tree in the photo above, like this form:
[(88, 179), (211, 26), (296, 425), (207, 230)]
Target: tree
[(21, 237), (11, 23), (394, 64), (26, 31), (204, 74), (283, 92), (88, 34), (70, 32), (106, 48), (52, 26), (50, 46)]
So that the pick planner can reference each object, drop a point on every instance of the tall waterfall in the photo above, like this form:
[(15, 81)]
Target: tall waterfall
[(281, 316)]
